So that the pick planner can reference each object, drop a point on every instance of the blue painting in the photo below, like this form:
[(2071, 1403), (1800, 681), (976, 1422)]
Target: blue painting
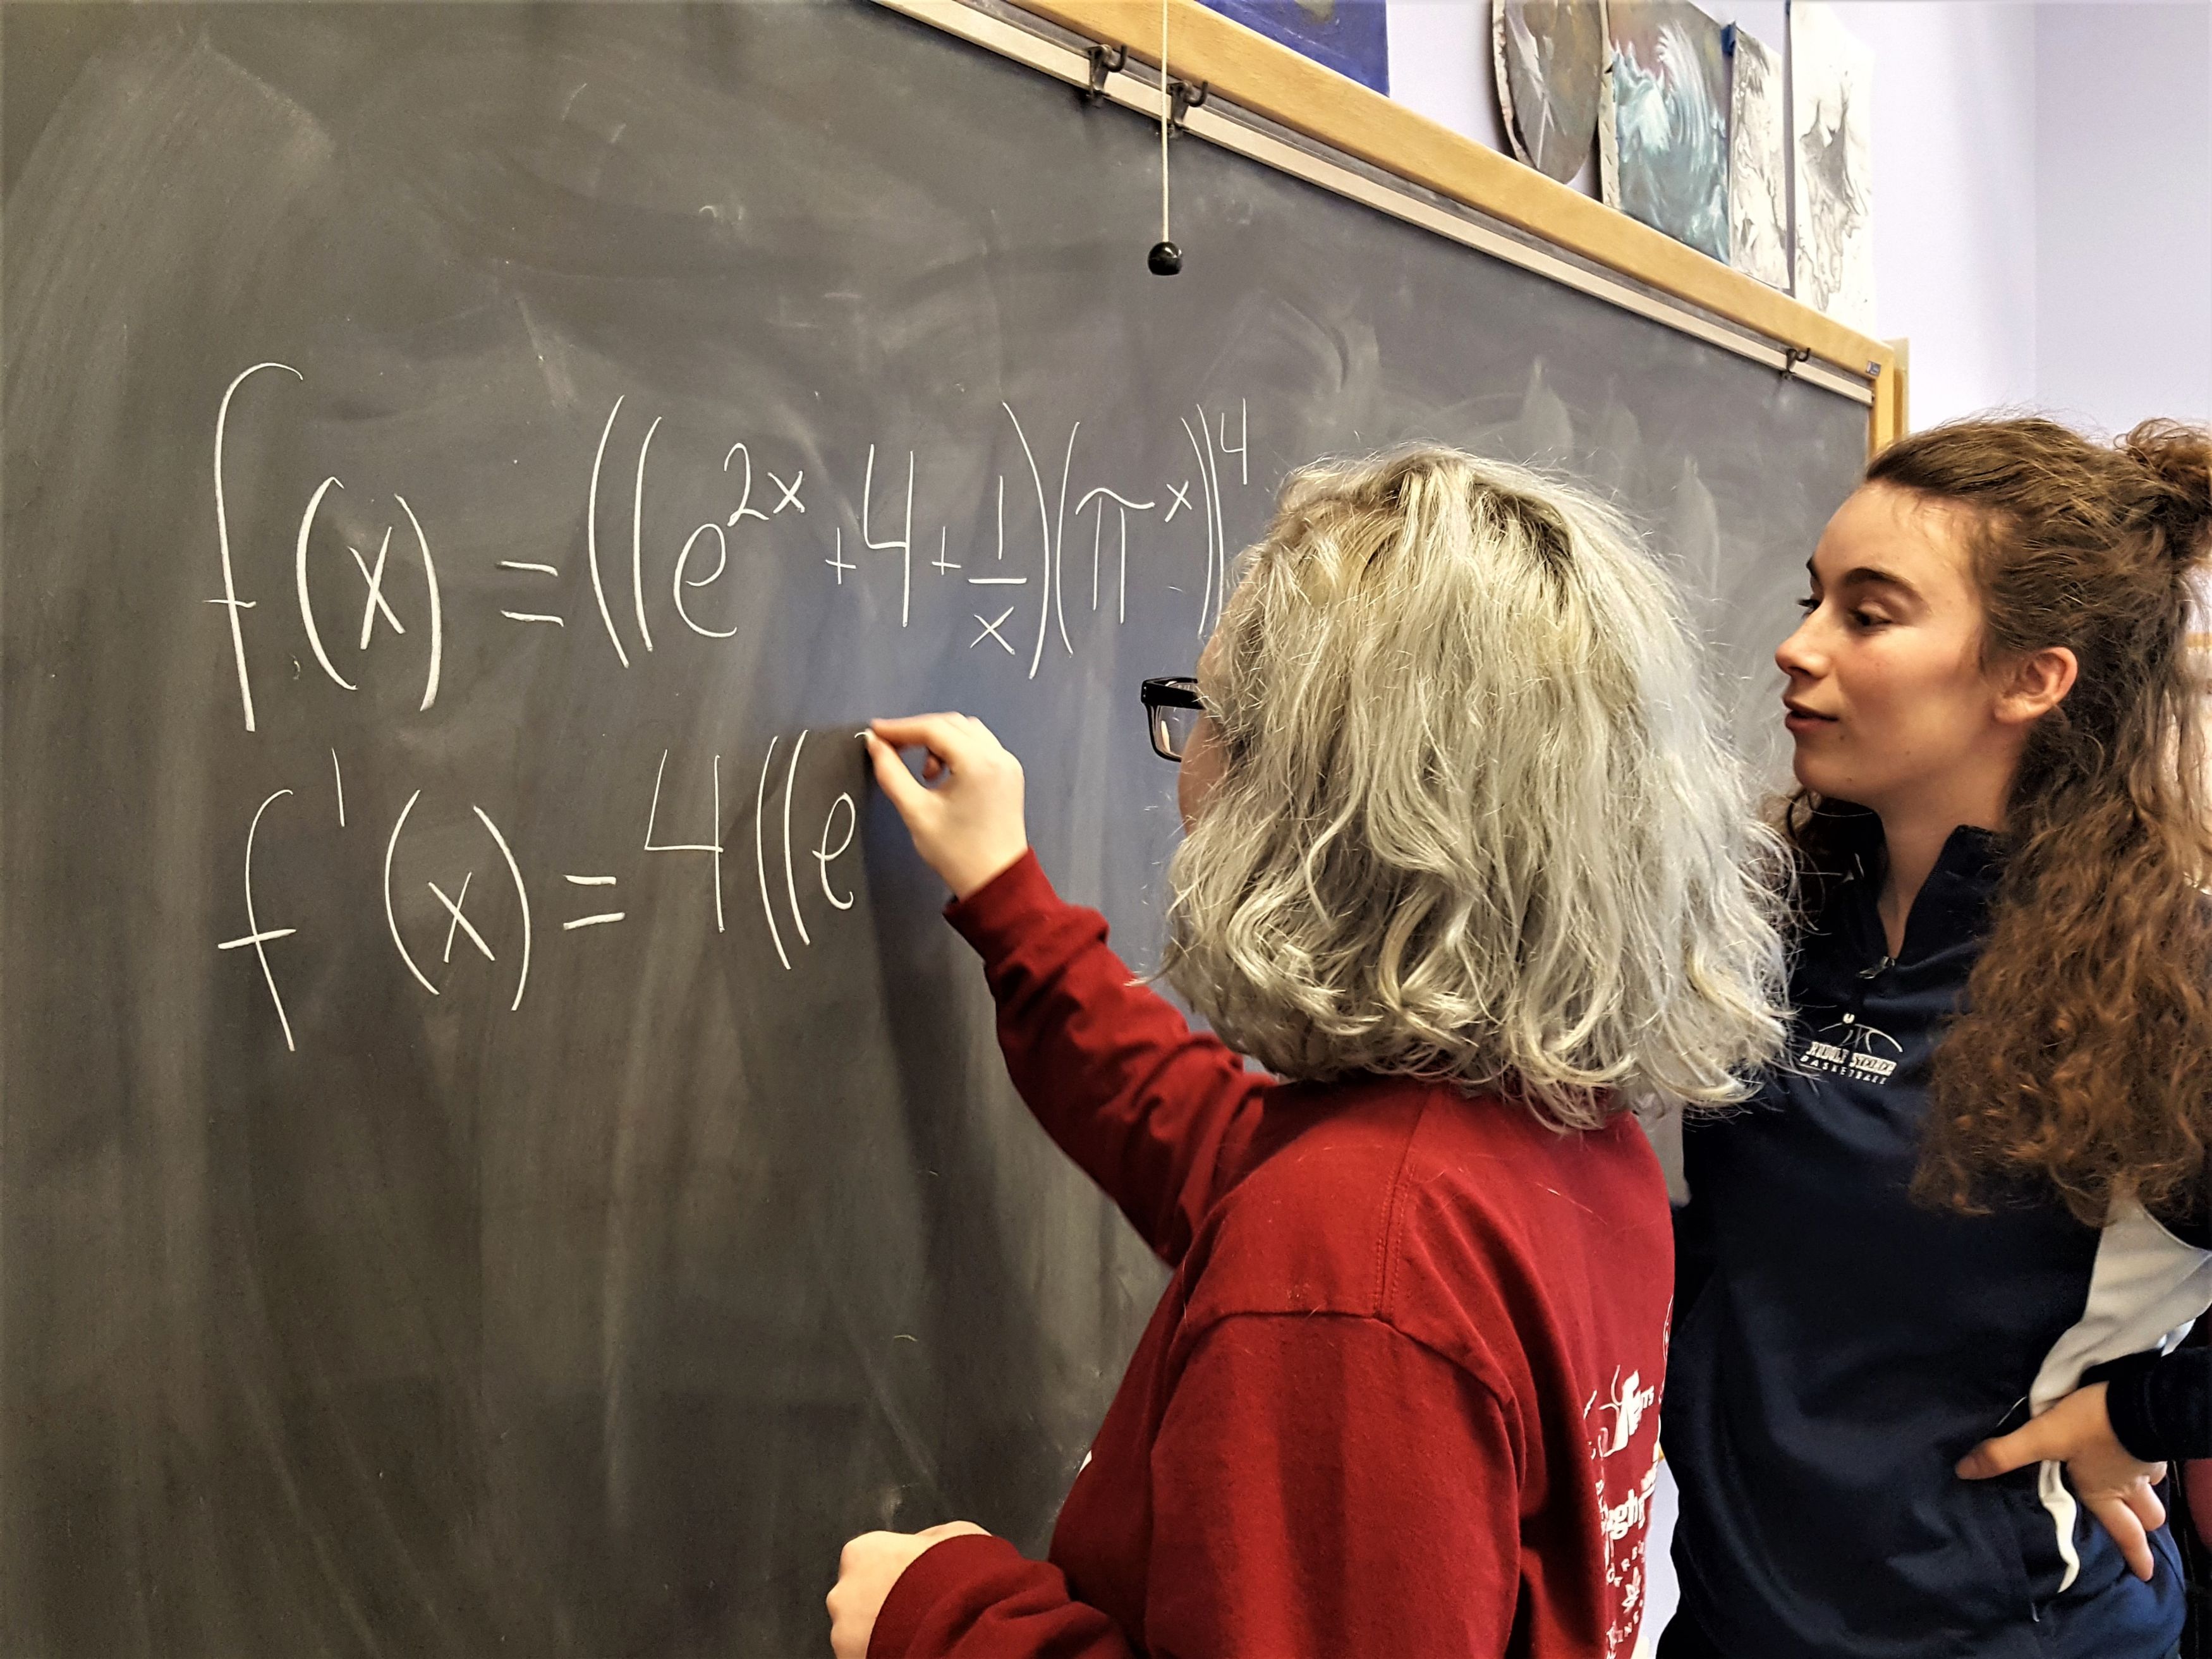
[(1351, 37), (1663, 125)]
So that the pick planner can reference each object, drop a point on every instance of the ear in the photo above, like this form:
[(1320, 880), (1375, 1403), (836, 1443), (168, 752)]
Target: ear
[(2035, 685)]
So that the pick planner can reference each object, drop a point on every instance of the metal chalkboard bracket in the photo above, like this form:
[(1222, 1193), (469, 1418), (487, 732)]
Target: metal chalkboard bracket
[(1103, 63), (1183, 97)]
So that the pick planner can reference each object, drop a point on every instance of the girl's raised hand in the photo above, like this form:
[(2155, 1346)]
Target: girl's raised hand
[(965, 811)]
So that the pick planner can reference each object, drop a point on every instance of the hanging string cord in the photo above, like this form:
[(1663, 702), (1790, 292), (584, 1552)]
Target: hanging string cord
[(1165, 103), (1166, 259)]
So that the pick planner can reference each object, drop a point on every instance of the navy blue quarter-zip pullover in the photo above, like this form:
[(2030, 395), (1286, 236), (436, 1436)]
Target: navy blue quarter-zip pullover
[(1838, 1347)]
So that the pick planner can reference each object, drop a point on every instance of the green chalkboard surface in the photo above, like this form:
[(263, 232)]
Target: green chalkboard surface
[(498, 1153)]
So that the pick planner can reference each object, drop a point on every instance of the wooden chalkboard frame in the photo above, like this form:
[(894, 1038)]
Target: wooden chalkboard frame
[(1259, 76)]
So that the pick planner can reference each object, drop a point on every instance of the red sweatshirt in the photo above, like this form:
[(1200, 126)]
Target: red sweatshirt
[(1400, 1397)]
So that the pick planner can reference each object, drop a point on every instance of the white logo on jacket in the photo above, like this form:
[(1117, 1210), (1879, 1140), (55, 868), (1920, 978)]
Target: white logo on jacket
[(1850, 1047)]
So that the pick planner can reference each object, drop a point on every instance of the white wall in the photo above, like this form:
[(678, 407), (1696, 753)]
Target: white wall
[(2043, 222), (1440, 65), (2124, 178), (1956, 202)]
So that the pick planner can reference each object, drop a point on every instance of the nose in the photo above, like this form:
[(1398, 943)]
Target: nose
[(1800, 656)]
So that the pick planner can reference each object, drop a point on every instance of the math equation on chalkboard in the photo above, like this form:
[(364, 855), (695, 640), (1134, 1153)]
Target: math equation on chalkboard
[(1044, 539)]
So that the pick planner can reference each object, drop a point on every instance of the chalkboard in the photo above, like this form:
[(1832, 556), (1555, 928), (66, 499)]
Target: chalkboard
[(499, 1154)]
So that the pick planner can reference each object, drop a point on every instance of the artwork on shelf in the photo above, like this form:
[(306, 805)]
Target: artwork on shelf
[(1551, 65), (1759, 170), (1662, 121), (1351, 37), (1831, 89)]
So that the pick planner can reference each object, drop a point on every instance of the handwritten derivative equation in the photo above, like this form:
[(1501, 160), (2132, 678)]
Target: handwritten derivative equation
[(832, 841), (767, 502)]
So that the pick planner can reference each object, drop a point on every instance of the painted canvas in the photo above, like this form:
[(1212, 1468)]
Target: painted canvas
[(1758, 172), (1662, 121), (1550, 66), (1351, 37), (1831, 86)]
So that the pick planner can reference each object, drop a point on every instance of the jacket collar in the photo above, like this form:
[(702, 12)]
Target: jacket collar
[(1952, 905)]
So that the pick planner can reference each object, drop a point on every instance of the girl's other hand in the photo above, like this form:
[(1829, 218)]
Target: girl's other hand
[(2110, 1483), (867, 1572), (967, 827)]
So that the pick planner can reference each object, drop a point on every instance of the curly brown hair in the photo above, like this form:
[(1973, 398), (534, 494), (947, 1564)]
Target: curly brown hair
[(2083, 1058)]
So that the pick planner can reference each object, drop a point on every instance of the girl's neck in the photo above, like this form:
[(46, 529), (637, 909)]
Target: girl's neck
[(1913, 840)]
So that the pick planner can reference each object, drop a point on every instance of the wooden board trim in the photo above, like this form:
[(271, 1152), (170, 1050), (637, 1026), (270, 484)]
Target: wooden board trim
[(1293, 91), (1892, 398)]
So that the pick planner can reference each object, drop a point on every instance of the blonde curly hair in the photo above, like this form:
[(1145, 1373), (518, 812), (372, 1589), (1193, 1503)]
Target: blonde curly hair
[(1474, 821)]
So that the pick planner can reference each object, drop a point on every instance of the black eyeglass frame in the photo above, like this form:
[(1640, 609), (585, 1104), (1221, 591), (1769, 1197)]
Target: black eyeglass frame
[(1172, 691)]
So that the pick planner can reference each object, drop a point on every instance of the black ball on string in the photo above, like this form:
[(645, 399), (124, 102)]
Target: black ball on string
[(1164, 260)]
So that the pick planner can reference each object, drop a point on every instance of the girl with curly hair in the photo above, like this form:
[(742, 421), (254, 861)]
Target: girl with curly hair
[(1925, 1379)]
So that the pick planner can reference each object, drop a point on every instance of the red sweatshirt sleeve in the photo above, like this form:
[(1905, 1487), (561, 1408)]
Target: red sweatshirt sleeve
[(1324, 1487), (1138, 1099), (980, 1598)]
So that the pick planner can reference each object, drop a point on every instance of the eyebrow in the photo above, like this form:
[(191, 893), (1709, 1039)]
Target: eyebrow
[(1869, 575)]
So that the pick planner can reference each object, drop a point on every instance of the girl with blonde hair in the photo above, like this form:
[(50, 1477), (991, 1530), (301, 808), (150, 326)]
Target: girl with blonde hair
[(1469, 869)]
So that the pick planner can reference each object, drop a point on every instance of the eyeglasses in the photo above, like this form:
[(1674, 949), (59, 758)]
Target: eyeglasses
[(1172, 709)]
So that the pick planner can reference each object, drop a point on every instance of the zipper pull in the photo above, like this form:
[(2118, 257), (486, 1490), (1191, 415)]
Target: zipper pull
[(1878, 969)]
